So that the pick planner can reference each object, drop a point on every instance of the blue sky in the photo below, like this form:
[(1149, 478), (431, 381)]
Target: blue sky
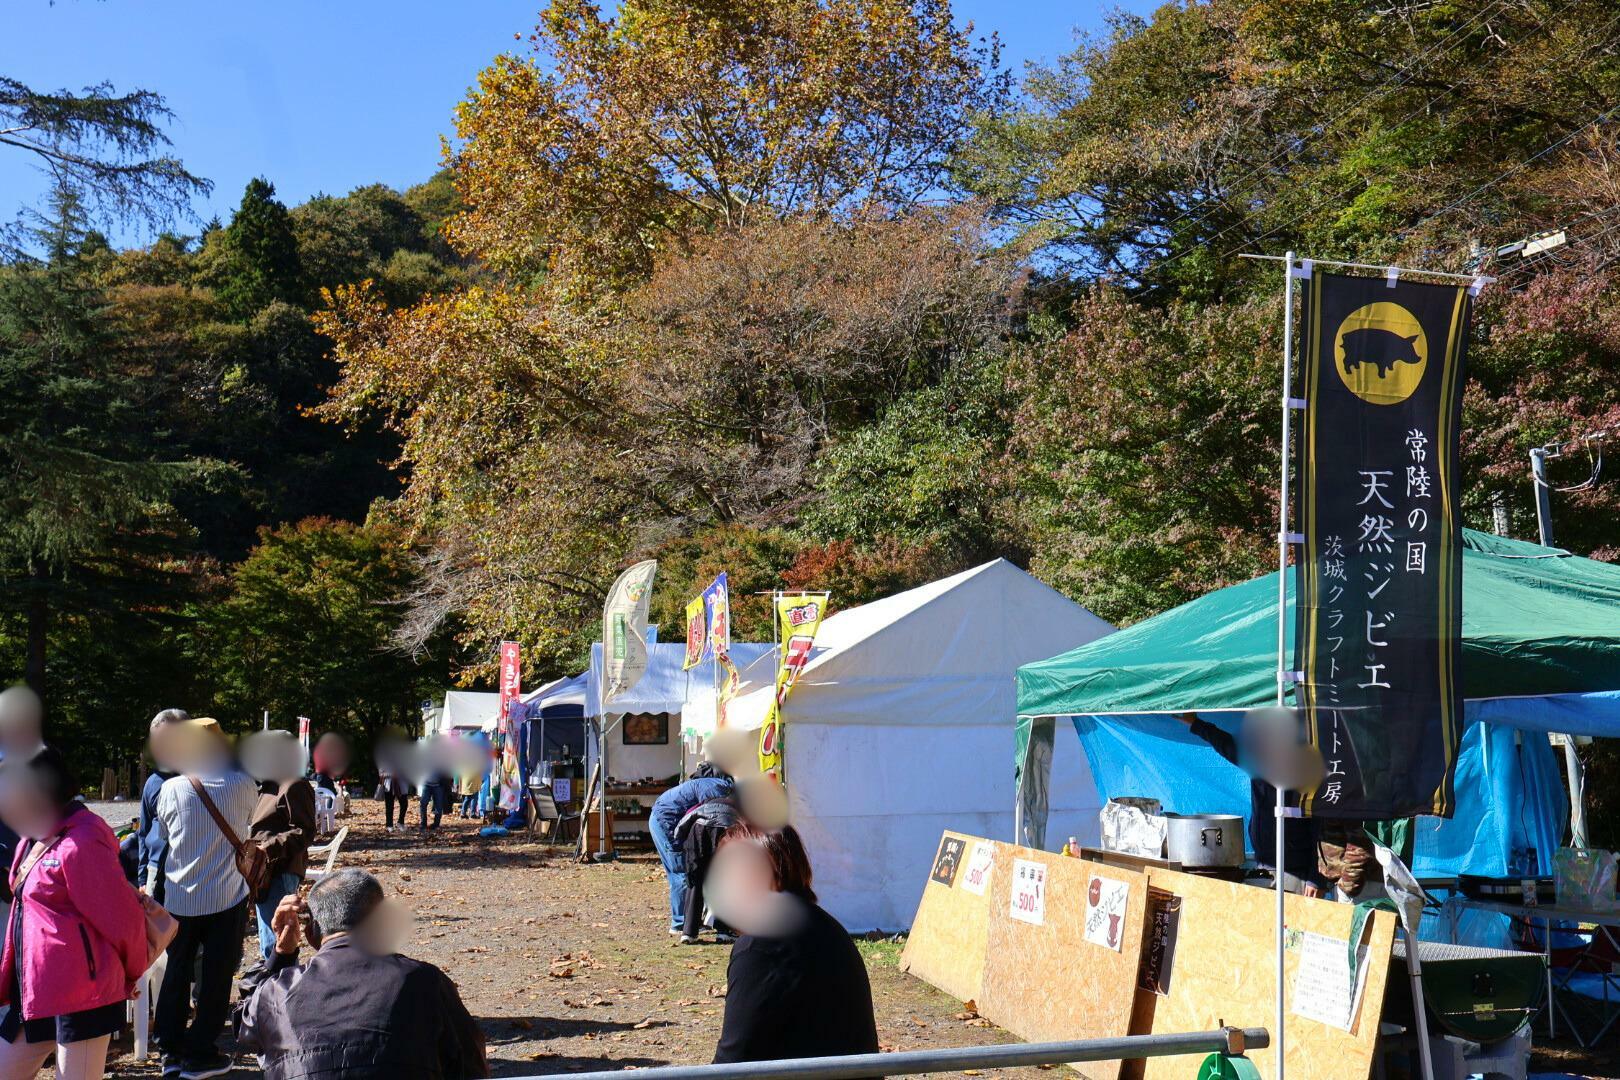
[(330, 95)]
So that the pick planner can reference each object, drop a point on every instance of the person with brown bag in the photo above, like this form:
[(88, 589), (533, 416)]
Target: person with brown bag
[(211, 873)]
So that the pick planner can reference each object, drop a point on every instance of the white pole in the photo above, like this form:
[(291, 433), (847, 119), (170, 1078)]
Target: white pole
[(1279, 1036)]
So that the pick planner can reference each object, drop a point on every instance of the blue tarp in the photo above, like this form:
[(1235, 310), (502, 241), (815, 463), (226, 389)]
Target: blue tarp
[(1511, 804)]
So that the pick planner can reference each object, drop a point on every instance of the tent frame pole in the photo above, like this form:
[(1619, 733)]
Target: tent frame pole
[(1280, 1029)]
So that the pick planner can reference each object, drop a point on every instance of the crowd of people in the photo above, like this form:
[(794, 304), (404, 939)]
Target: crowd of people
[(222, 844)]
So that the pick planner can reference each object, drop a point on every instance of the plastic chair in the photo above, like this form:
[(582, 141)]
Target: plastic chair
[(325, 810)]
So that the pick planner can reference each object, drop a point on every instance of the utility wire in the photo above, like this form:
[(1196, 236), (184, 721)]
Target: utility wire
[(1339, 195), (1380, 90)]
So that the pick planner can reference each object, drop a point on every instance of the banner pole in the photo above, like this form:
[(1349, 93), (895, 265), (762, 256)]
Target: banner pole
[(1281, 1037)]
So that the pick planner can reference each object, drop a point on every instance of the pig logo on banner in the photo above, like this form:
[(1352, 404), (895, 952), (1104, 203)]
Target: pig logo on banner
[(1382, 353)]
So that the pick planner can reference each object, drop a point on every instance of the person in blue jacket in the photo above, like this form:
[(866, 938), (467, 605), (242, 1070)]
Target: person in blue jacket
[(151, 847), (707, 783)]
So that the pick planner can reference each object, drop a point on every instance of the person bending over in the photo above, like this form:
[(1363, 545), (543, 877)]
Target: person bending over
[(356, 1009), (707, 783), (796, 986)]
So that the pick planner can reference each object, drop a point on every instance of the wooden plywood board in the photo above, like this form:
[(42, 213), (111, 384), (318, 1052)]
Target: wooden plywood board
[(1047, 980), (947, 940), (1224, 967)]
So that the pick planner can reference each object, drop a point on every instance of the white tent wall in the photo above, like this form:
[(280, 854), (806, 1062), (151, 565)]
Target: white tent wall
[(901, 726)]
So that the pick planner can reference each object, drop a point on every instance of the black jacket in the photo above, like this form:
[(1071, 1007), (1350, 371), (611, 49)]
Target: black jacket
[(802, 995), (350, 1014)]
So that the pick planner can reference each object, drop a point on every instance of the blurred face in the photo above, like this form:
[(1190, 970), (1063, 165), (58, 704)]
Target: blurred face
[(25, 807), (385, 931), (332, 755), (273, 756), (741, 888), (21, 717), (188, 748)]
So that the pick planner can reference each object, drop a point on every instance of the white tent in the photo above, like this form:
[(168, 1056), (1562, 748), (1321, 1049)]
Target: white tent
[(899, 728), (467, 710)]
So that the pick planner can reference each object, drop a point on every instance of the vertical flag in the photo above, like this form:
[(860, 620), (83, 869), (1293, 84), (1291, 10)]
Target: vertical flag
[(303, 733), (697, 634), (624, 629), (798, 617), (506, 725), (717, 609), (1379, 581)]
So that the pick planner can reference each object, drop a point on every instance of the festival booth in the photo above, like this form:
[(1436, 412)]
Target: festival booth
[(896, 725), (467, 710), (1541, 654), (646, 753)]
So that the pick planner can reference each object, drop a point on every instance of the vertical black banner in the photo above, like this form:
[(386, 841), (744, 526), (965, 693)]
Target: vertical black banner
[(1379, 580)]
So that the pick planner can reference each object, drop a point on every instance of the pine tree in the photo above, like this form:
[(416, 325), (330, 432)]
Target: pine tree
[(85, 487), (258, 260)]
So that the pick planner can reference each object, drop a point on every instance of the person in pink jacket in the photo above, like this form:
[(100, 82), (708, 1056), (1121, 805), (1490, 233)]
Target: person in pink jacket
[(75, 939)]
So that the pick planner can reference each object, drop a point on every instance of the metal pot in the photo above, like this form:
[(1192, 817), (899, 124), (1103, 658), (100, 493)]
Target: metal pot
[(1204, 839)]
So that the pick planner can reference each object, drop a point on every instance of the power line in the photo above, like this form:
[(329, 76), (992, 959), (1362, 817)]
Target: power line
[(1584, 242), (1338, 195), (1381, 89)]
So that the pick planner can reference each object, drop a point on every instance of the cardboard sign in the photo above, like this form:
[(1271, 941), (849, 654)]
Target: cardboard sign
[(948, 861), (1105, 911), (1028, 901), (1159, 953), (979, 866)]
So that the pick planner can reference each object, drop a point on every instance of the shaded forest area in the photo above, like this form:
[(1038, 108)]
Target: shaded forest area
[(823, 297)]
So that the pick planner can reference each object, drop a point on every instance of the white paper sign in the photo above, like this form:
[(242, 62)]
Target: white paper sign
[(1028, 892), (1105, 912), (1322, 990), (562, 788), (977, 879)]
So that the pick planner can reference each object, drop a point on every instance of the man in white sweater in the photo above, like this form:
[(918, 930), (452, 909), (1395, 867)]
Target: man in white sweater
[(207, 895)]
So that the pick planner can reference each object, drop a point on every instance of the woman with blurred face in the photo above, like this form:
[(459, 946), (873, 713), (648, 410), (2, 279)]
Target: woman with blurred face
[(76, 936), (796, 986)]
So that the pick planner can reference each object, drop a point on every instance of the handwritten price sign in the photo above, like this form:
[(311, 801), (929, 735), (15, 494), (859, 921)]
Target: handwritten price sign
[(1028, 902), (977, 878)]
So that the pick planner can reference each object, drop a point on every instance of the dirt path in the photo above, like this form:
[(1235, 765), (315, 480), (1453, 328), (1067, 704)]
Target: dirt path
[(569, 968)]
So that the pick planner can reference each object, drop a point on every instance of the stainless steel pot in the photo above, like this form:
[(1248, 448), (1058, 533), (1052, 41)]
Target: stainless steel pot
[(1204, 839)]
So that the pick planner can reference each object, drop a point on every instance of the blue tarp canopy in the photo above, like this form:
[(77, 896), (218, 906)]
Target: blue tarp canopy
[(1541, 654)]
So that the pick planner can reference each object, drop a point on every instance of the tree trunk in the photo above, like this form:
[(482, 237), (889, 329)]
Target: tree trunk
[(38, 624)]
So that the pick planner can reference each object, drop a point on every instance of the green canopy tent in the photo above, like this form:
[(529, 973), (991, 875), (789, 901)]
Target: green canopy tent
[(1541, 647)]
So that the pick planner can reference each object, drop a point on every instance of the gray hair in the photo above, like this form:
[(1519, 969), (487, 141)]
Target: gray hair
[(340, 902), (170, 716)]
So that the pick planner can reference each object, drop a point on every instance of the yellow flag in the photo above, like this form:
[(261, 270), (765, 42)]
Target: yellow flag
[(798, 617)]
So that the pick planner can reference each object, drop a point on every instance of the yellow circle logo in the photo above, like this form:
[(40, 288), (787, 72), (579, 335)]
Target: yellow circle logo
[(1382, 353)]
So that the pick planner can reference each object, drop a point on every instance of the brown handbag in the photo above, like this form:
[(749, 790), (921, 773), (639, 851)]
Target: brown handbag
[(252, 861)]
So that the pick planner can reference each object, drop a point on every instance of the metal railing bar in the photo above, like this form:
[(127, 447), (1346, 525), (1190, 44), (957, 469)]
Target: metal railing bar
[(958, 1058)]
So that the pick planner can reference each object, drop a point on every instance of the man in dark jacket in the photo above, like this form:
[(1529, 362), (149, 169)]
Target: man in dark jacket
[(357, 1009), (698, 836), (707, 783), (283, 820)]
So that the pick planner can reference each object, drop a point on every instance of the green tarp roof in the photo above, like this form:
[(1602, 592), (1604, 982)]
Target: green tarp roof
[(1533, 623)]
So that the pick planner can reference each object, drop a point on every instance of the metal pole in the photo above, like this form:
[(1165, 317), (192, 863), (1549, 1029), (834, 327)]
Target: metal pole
[(1228, 1041), (1572, 758), (1414, 972), (1282, 636), (601, 772)]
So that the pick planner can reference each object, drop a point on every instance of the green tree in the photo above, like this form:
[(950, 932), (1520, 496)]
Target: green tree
[(306, 626), (254, 261), (88, 476), (106, 148)]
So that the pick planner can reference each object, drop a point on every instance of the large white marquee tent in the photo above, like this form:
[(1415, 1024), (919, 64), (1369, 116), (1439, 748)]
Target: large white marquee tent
[(899, 728)]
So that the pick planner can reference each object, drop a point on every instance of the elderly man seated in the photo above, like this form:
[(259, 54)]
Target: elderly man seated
[(357, 1009)]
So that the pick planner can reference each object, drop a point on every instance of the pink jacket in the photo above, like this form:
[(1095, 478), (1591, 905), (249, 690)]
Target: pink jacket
[(83, 930)]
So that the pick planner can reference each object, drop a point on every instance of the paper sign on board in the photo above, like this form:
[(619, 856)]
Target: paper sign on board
[(1105, 912), (1028, 903), (983, 858), (1322, 986)]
